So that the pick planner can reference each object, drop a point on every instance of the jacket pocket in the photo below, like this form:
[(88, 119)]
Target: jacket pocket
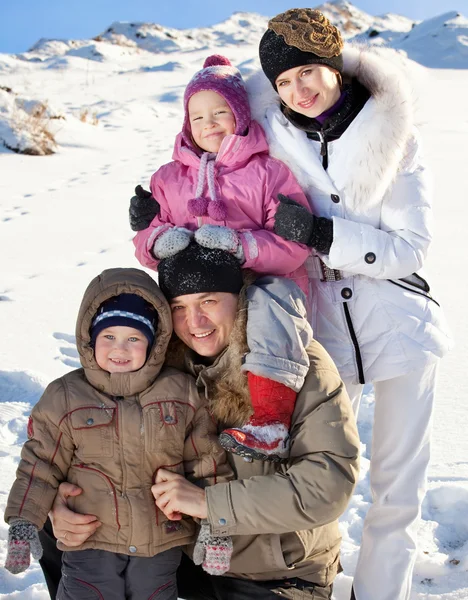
[(165, 425), (416, 284), (93, 431), (99, 498), (278, 554)]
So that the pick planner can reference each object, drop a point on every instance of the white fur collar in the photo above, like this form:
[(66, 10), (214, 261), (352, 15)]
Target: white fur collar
[(385, 124)]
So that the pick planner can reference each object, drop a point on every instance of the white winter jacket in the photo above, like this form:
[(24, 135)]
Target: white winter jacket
[(375, 325)]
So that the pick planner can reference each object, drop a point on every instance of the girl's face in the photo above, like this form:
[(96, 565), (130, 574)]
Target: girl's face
[(309, 90), (211, 120)]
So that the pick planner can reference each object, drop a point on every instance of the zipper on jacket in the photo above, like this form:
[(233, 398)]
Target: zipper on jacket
[(357, 350), (414, 291), (323, 149), (118, 400)]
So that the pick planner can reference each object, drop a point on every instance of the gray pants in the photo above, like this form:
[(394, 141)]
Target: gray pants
[(278, 332), (101, 575)]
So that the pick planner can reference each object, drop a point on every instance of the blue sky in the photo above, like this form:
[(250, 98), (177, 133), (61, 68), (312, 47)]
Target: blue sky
[(23, 22)]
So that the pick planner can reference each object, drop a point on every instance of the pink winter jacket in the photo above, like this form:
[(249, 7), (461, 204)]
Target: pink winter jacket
[(248, 180)]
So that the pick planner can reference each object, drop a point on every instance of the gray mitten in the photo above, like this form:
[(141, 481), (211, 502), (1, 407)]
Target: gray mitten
[(212, 552), (23, 540), (295, 223), (218, 236), (172, 241), (143, 209)]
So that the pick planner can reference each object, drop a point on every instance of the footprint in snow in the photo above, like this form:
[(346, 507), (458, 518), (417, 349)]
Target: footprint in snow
[(68, 353), (65, 337), (19, 391), (447, 506)]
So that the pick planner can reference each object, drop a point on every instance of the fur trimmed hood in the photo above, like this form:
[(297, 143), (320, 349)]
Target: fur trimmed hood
[(386, 123)]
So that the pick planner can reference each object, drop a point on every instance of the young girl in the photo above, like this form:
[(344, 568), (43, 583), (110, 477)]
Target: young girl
[(222, 189), (108, 428)]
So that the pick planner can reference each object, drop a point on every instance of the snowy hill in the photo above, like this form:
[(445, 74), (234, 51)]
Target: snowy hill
[(113, 107), (439, 43)]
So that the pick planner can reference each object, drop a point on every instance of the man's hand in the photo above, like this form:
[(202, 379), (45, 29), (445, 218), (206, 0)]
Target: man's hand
[(70, 528), (143, 209), (175, 495)]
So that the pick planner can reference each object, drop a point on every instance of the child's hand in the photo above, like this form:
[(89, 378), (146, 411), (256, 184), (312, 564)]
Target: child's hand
[(23, 540), (172, 241), (143, 209), (212, 552), (224, 238)]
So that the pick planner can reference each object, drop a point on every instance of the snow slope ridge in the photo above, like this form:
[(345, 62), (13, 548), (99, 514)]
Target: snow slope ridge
[(441, 42), (139, 47)]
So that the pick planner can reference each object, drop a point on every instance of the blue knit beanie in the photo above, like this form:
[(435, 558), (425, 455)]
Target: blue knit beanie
[(128, 310)]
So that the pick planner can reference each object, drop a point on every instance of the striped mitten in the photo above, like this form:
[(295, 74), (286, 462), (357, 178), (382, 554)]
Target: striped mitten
[(23, 540)]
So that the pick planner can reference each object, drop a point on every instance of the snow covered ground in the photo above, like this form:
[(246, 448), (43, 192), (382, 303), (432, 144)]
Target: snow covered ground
[(63, 219)]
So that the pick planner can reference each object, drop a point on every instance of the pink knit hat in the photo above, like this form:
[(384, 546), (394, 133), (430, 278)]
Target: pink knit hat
[(218, 75)]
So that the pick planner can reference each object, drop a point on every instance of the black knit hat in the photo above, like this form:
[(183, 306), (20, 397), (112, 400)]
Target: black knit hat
[(299, 37), (196, 270), (128, 310)]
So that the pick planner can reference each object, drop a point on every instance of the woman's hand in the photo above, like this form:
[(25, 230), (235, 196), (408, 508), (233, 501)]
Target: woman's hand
[(70, 528), (295, 223), (143, 209), (175, 495)]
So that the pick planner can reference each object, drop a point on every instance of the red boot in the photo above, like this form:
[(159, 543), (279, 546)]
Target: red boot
[(265, 436)]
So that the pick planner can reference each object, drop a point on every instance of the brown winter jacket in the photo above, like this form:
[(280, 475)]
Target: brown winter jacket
[(110, 433), (284, 519)]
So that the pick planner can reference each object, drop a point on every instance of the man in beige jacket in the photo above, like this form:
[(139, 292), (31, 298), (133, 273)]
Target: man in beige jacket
[(282, 516)]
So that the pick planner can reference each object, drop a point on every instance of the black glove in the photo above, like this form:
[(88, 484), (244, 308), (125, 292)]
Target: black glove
[(295, 223), (143, 209)]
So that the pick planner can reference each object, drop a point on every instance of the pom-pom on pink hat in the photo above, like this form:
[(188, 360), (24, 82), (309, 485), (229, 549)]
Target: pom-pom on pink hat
[(218, 75)]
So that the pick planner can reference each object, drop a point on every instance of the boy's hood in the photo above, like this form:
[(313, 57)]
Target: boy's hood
[(113, 282)]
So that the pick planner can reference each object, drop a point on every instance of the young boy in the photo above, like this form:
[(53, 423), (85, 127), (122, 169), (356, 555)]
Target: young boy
[(108, 428)]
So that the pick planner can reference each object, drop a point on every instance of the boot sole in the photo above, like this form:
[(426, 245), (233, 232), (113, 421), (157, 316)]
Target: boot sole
[(231, 445)]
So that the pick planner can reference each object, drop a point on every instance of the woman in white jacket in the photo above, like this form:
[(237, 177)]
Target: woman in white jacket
[(343, 120)]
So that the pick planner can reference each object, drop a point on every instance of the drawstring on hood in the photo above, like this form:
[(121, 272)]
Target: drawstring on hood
[(201, 206)]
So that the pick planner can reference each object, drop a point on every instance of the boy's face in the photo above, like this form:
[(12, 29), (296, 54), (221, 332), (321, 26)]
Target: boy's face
[(211, 120), (120, 349)]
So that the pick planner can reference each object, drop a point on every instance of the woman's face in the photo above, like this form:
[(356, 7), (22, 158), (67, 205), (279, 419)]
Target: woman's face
[(309, 90)]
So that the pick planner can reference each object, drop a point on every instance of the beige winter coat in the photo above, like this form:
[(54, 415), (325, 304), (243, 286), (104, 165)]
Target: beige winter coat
[(284, 519), (109, 434)]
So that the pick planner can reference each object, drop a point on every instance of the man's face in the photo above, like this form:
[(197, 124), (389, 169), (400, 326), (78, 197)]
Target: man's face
[(204, 322)]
